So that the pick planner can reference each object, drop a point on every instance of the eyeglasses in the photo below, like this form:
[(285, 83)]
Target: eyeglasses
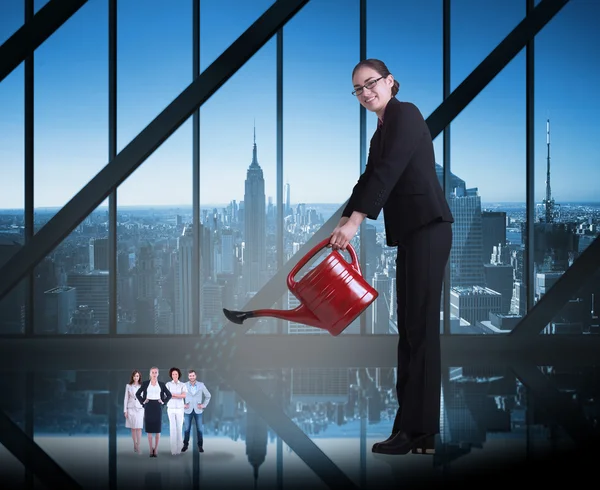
[(370, 84)]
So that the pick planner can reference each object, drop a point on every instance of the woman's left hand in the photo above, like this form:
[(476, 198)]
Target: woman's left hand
[(341, 236)]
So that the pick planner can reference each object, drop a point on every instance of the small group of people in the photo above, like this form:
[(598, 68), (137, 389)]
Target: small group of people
[(185, 402)]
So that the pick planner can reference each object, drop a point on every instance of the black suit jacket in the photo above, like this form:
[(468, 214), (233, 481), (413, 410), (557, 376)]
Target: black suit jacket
[(400, 175), (142, 392)]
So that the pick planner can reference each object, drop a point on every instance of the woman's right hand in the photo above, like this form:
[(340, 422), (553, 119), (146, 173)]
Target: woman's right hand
[(125, 413), (342, 222)]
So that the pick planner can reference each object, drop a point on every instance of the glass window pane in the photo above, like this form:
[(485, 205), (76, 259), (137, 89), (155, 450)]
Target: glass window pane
[(320, 126), (71, 283), (566, 171), (476, 29), (154, 61), (221, 23), (488, 183), (238, 191), (418, 69), (12, 197), (155, 202), (13, 16), (71, 109)]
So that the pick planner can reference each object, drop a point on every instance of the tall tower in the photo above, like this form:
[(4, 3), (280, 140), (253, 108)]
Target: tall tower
[(184, 302), (548, 202), (288, 207), (254, 224)]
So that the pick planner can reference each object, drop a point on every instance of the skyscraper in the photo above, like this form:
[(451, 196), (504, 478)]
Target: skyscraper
[(146, 299), (494, 232), (99, 254), (227, 252), (254, 224), (466, 262), (288, 206), (183, 283)]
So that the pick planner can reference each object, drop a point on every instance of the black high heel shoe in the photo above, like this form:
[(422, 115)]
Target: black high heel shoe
[(425, 446), (395, 431), (402, 443), (392, 435)]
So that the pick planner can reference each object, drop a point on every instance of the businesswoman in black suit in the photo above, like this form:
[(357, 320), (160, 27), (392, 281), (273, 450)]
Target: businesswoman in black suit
[(400, 178), (153, 395)]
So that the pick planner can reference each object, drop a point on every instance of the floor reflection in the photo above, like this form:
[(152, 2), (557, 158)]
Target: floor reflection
[(490, 418)]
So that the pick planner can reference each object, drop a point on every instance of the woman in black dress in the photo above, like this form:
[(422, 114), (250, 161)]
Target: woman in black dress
[(153, 395)]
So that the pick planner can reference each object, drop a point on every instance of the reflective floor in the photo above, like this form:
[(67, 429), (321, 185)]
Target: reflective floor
[(491, 419)]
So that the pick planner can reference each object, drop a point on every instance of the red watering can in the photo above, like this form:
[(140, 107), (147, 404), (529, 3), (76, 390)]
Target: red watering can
[(332, 295)]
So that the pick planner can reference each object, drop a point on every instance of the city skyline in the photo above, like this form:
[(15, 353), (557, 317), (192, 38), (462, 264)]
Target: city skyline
[(321, 123)]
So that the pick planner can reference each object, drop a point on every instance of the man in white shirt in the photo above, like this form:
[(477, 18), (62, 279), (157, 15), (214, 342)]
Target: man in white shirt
[(197, 398)]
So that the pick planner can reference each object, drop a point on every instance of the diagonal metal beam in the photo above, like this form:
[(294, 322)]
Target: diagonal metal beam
[(493, 64), (32, 34), (574, 278), (143, 145), (32, 456), (557, 404)]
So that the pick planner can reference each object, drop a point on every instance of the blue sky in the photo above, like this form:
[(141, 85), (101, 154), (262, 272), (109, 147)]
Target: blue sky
[(321, 126)]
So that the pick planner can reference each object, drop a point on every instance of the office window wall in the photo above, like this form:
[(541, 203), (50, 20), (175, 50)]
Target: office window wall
[(70, 286), (391, 33), (12, 183), (238, 190), (70, 109), (154, 204), (319, 139), (321, 159), (567, 168), (487, 185)]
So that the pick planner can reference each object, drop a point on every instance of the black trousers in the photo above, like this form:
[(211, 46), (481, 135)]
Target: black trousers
[(420, 265)]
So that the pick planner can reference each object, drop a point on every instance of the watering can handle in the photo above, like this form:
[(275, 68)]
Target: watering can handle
[(316, 249)]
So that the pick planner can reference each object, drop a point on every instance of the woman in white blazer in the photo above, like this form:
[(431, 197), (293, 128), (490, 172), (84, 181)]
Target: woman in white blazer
[(133, 410), (175, 410)]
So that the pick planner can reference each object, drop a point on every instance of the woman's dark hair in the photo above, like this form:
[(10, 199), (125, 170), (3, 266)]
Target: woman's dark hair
[(174, 369), (381, 68), (133, 373)]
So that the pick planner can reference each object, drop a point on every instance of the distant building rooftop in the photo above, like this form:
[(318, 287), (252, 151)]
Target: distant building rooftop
[(468, 290)]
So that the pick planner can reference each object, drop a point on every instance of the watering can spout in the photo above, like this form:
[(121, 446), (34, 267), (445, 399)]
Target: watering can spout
[(301, 314), (331, 295)]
